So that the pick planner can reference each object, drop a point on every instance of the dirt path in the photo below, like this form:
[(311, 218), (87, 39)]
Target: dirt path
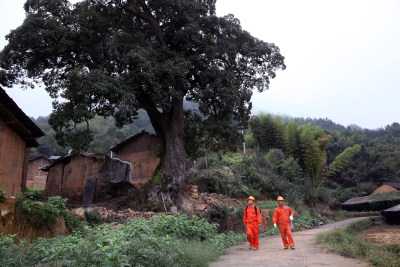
[(307, 252)]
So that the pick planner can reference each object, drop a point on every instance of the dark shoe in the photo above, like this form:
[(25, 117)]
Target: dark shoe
[(250, 247), (291, 247), (285, 247)]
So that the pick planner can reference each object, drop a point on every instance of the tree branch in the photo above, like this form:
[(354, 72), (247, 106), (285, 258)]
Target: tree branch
[(146, 16)]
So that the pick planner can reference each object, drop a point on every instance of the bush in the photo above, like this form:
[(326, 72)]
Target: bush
[(160, 241), (33, 194), (305, 220), (73, 222), (39, 213), (3, 192), (93, 217)]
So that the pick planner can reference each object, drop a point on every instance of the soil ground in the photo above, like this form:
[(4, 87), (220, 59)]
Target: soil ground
[(307, 252), (387, 234)]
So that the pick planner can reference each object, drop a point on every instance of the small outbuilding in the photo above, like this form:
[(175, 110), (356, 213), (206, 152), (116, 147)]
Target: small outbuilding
[(85, 178), (18, 134), (141, 151), (387, 187), (377, 202), (392, 215), (36, 178)]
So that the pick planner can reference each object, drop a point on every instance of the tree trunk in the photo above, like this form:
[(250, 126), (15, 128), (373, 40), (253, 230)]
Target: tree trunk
[(168, 179)]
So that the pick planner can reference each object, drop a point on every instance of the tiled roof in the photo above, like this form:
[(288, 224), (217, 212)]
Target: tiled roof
[(14, 117), (128, 140)]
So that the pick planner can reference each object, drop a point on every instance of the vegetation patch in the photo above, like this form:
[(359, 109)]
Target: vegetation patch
[(159, 241), (38, 213), (348, 242), (73, 222), (3, 195)]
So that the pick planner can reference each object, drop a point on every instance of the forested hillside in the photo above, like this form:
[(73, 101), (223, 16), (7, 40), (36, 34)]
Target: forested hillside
[(327, 158), (337, 162), (105, 133)]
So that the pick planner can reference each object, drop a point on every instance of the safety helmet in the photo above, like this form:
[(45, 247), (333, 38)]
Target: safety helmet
[(251, 198), (280, 198)]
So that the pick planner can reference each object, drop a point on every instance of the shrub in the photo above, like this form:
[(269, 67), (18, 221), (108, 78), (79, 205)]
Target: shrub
[(160, 241), (93, 217), (3, 192), (3, 195), (73, 222), (33, 194), (305, 220), (38, 213)]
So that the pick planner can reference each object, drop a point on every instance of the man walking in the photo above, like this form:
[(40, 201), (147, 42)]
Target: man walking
[(283, 215), (252, 221)]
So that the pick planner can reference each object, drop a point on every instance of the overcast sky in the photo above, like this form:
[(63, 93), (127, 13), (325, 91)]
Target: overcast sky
[(342, 58)]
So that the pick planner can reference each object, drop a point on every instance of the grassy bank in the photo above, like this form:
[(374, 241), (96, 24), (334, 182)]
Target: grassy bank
[(348, 241), (160, 241)]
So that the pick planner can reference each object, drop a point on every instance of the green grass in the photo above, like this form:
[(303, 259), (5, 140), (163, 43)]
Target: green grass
[(268, 204), (347, 242)]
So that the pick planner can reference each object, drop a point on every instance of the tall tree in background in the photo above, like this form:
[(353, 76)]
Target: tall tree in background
[(293, 144), (114, 57), (269, 132), (314, 143)]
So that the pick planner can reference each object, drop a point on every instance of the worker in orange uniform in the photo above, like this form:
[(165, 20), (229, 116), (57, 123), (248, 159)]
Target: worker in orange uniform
[(283, 215), (252, 221)]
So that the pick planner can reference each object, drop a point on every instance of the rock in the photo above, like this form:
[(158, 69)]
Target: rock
[(186, 188), (80, 212), (201, 207), (4, 212), (59, 227), (194, 189), (194, 195)]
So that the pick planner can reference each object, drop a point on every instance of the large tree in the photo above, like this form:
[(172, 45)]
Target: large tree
[(114, 57)]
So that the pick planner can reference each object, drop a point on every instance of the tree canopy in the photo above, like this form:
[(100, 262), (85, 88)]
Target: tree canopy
[(115, 57)]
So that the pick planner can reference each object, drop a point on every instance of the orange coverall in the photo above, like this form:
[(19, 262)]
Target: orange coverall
[(251, 220), (281, 216)]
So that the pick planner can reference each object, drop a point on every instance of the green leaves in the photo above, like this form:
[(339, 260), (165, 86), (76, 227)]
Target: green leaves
[(160, 241), (39, 213), (269, 132), (342, 160), (112, 58)]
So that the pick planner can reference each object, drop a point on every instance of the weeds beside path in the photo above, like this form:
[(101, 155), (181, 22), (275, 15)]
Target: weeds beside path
[(307, 253)]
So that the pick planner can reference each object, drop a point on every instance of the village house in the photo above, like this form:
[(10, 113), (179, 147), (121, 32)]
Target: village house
[(141, 151), (17, 136), (36, 178), (387, 187), (84, 178)]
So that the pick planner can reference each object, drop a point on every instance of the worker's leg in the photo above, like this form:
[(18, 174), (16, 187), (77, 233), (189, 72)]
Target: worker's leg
[(289, 235), (249, 233), (283, 235), (255, 235)]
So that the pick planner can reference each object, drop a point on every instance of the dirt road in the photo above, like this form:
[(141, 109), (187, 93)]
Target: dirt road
[(307, 252)]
